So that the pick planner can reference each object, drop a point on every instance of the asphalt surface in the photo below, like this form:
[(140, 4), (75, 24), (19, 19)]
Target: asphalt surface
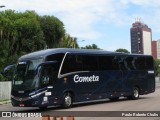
[(147, 106)]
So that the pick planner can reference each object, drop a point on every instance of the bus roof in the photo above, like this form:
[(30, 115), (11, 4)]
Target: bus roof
[(46, 52)]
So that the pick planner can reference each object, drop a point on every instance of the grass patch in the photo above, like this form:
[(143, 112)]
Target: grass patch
[(3, 100)]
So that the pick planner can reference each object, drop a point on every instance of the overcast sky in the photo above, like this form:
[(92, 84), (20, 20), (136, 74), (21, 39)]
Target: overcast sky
[(106, 23)]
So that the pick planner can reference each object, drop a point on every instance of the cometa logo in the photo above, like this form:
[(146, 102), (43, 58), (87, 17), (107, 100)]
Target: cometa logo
[(93, 78)]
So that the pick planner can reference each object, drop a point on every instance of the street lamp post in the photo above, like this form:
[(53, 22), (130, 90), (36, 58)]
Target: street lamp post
[(80, 41)]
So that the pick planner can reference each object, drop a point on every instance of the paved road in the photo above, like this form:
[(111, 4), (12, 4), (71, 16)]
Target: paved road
[(150, 102)]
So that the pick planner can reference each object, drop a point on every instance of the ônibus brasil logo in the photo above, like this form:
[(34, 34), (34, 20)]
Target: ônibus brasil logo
[(92, 78)]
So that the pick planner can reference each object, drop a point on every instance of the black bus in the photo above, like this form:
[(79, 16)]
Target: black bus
[(65, 76)]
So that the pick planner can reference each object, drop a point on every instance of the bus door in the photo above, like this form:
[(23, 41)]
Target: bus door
[(47, 73)]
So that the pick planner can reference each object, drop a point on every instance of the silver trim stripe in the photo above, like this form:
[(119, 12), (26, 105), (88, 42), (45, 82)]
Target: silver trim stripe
[(59, 72), (27, 98)]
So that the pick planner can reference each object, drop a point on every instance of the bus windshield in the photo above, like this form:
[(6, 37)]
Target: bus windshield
[(25, 77)]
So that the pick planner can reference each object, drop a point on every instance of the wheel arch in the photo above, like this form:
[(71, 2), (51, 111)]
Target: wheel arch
[(137, 86)]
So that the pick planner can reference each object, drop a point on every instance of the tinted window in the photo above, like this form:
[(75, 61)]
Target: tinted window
[(48, 75), (106, 63), (90, 63), (72, 63), (140, 63), (55, 57), (121, 62), (149, 63), (130, 63)]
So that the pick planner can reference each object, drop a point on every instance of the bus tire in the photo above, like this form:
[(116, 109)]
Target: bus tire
[(135, 93), (67, 100), (114, 98)]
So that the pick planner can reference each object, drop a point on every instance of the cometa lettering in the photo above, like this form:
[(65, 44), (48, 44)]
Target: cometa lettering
[(93, 78)]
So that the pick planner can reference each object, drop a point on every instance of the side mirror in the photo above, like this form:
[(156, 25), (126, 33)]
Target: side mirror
[(7, 68)]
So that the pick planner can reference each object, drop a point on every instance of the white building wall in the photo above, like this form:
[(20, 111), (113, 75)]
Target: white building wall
[(5, 90), (147, 43), (158, 49)]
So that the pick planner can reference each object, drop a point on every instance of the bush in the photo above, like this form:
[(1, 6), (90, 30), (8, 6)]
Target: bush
[(2, 77)]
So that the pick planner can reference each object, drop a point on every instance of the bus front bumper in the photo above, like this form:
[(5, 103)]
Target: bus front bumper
[(40, 101), (24, 102)]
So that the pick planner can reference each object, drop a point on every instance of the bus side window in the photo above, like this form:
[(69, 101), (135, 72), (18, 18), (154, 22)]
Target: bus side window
[(56, 57), (72, 63), (105, 63), (149, 63), (121, 62), (44, 77), (48, 75), (67, 65), (134, 63), (130, 63), (53, 72), (115, 63), (140, 63), (90, 63)]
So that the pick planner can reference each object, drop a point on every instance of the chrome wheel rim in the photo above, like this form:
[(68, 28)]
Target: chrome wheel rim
[(68, 100), (136, 93)]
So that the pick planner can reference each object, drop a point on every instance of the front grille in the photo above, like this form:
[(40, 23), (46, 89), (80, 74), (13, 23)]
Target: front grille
[(21, 99)]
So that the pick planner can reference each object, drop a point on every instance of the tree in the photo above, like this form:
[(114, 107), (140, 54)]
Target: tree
[(68, 42), (30, 36), (53, 30), (25, 32), (93, 46), (157, 67), (122, 50), (22, 33)]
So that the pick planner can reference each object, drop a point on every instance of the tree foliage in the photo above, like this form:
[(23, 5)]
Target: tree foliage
[(93, 46), (68, 42), (25, 32), (157, 67), (122, 50), (53, 30)]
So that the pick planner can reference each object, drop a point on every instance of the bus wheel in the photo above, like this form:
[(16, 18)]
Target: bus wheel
[(114, 98), (67, 100), (135, 93)]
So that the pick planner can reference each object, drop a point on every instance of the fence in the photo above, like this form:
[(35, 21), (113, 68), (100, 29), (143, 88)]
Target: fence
[(5, 90)]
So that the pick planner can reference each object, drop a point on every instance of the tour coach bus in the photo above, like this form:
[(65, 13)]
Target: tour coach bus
[(66, 76)]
